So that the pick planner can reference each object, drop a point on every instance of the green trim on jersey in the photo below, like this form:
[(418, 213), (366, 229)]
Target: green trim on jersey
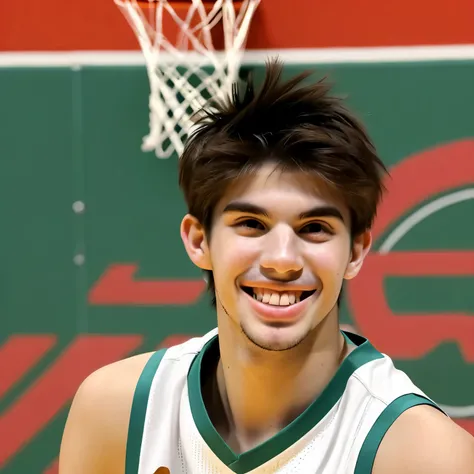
[(250, 460), (370, 446), (138, 412)]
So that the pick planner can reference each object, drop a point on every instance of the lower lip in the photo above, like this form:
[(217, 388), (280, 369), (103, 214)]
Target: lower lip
[(282, 314)]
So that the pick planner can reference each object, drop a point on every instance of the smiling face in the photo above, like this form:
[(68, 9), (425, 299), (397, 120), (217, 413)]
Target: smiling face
[(280, 248)]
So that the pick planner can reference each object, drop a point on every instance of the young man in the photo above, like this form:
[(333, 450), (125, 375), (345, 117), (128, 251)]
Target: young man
[(282, 187)]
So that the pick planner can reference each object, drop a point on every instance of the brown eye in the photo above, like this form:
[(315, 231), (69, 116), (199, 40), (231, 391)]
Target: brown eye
[(313, 228), (316, 228), (251, 224)]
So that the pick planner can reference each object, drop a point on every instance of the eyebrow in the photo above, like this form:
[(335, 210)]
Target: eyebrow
[(322, 211), (317, 211), (246, 208)]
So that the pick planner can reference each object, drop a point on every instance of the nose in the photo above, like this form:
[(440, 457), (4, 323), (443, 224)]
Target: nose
[(281, 257)]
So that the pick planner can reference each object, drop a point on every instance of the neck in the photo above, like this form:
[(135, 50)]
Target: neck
[(263, 391)]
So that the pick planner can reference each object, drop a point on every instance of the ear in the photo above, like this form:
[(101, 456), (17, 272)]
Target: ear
[(360, 248), (195, 242)]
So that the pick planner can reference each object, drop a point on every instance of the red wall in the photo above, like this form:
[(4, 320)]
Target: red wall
[(49, 25)]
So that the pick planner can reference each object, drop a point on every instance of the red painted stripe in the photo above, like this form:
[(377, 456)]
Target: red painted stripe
[(57, 386), (19, 354), (117, 286)]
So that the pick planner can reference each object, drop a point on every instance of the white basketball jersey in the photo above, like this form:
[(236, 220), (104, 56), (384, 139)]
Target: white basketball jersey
[(339, 433)]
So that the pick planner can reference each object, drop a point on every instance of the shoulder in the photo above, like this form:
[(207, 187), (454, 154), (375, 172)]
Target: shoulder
[(424, 440), (111, 387), (95, 435)]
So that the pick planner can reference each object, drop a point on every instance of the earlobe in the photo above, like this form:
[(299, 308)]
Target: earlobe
[(195, 242), (360, 248)]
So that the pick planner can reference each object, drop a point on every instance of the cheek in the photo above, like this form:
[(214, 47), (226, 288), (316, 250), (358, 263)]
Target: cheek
[(330, 260), (232, 255)]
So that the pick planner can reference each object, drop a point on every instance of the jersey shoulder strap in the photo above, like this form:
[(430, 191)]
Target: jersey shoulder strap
[(170, 366), (138, 412), (389, 415)]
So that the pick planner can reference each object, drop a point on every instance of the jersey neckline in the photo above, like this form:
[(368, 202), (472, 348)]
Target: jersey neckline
[(319, 408)]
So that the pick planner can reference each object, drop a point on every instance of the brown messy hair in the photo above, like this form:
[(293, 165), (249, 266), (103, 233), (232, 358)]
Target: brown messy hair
[(299, 127)]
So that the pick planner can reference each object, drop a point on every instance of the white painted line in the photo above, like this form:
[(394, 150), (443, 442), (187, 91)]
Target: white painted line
[(289, 56), (421, 214)]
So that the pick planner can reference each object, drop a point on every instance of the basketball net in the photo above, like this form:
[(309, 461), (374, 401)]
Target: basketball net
[(184, 74)]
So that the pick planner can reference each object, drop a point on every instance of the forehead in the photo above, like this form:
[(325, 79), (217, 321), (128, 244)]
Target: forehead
[(278, 190)]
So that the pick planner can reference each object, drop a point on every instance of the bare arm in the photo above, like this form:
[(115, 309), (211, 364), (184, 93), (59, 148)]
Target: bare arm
[(425, 441), (95, 436)]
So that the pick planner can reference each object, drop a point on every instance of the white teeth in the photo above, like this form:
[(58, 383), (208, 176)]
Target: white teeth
[(284, 299), (276, 298)]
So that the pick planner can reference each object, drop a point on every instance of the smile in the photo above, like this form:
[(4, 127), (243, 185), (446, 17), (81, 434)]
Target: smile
[(277, 298), (279, 305)]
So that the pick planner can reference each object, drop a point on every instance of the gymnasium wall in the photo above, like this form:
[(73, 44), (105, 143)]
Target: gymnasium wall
[(56, 25), (93, 269)]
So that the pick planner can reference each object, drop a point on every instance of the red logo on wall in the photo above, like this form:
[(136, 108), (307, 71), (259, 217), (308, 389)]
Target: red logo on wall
[(418, 179)]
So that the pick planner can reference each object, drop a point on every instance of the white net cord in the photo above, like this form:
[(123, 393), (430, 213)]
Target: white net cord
[(184, 73)]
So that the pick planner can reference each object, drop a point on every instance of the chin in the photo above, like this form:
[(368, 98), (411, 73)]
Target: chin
[(274, 338)]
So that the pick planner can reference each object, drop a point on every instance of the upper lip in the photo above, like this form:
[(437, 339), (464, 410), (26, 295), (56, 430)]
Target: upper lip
[(281, 287)]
